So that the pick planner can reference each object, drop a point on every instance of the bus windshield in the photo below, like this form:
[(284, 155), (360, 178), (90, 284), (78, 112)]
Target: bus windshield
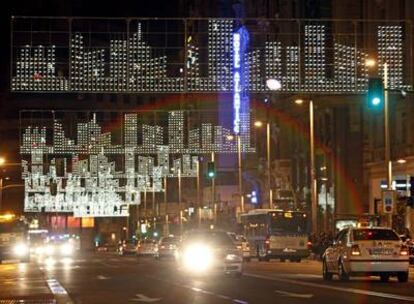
[(287, 222)]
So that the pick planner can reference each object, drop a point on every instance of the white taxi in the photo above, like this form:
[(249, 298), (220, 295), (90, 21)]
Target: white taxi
[(366, 252)]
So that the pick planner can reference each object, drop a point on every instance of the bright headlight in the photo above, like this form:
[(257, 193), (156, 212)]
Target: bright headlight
[(48, 250), (233, 258), (197, 257), (21, 249), (66, 249)]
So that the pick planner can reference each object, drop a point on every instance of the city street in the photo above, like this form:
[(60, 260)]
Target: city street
[(108, 278)]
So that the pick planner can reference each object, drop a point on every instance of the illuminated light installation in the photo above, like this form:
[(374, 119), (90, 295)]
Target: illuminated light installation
[(241, 109), (136, 62), (91, 176)]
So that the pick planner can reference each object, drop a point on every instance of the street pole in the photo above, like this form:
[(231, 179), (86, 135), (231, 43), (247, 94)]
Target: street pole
[(1, 193), (314, 202), (388, 163), (167, 229), (145, 200), (179, 200), (198, 193), (240, 174), (213, 192), (268, 163)]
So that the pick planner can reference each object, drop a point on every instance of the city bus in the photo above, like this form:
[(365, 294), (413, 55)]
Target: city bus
[(14, 239), (276, 234)]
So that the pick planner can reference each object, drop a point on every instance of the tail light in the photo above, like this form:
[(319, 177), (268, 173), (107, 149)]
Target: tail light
[(404, 250), (267, 243), (355, 250)]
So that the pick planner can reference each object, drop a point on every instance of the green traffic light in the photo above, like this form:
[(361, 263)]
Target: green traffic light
[(376, 101), (211, 170), (375, 94)]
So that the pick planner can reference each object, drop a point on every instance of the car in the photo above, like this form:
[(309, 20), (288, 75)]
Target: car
[(166, 247), (410, 245), (127, 247), (242, 244), (377, 251), (203, 252), (146, 247)]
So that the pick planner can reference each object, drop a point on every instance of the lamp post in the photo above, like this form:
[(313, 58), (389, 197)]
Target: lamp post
[(180, 213), (198, 194), (167, 229), (313, 182), (213, 191), (259, 124), (273, 85), (239, 162)]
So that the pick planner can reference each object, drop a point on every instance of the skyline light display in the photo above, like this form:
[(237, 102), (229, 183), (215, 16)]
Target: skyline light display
[(97, 174), (190, 55)]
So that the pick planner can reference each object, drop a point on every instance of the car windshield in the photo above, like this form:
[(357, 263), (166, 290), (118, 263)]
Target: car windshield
[(375, 235), (216, 238), (169, 240)]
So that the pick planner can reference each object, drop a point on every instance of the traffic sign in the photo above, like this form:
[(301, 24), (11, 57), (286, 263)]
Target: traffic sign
[(388, 201)]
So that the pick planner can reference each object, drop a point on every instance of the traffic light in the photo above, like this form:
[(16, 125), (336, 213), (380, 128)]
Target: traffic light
[(211, 170), (375, 95)]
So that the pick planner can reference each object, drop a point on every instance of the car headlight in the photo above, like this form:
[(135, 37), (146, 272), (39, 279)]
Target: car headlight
[(233, 258), (48, 250), (66, 249), (21, 249), (197, 257)]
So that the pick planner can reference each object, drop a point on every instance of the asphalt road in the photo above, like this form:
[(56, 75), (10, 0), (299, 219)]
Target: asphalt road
[(107, 278)]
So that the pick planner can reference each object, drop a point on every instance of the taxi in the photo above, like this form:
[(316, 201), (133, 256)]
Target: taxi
[(366, 252)]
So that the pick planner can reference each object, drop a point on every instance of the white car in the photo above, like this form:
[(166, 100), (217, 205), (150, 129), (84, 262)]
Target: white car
[(204, 252), (366, 252)]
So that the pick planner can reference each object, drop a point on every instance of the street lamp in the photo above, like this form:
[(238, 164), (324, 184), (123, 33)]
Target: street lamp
[(273, 85), (259, 124), (239, 166), (313, 182)]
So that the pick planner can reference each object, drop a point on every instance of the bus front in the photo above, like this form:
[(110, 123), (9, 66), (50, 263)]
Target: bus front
[(288, 238), (13, 239)]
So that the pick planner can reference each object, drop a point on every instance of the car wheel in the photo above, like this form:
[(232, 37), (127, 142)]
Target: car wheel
[(327, 276), (283, 260), (384, 277), (402, 277), (343, 275)]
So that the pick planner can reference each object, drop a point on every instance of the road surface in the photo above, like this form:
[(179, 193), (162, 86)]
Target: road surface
[(107, 278)]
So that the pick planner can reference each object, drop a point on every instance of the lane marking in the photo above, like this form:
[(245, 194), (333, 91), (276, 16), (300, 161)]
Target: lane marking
[(294, 295), (139, 297), (60, 293), (349, 290), (200, 290), (102, 277)]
